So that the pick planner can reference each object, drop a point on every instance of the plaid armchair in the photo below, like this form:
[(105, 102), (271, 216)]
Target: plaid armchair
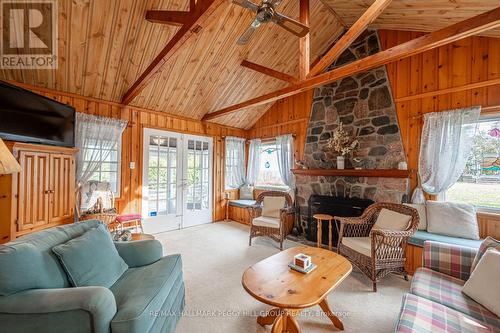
[(452, 260)]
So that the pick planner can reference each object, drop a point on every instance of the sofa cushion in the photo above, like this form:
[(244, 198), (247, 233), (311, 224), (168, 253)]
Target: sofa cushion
[(264, 221), (143, 291), (362, 245), (452, 219), (29, 263), (419, 237), (246, 192), (91, 259), (482, 286), (447, 290), (272, 206), (242, 203), (488, 242), (422, 215), (390, 220), (420, 315)]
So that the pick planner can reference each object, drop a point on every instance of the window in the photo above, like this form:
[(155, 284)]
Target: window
[(269, 173), (479, 185), (109, 168)]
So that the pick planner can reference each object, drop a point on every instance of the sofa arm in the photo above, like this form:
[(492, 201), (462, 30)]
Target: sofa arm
[(140, 253), (61, 307), (449, 259)]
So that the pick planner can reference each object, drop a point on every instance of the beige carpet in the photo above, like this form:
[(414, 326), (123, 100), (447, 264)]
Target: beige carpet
[(215, 257)]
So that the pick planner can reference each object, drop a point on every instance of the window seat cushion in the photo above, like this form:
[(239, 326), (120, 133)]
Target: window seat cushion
[(421, 236), (243, 203)]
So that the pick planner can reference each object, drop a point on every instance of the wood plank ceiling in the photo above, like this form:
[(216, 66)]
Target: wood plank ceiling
[(105, 45), (416, 15)]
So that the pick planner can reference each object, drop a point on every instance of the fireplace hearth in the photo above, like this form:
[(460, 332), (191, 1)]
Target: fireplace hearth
[(334, 206)]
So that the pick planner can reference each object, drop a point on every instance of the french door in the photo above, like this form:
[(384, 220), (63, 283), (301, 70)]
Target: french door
[(177, 180)]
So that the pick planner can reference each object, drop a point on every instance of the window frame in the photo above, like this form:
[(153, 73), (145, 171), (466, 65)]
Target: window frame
[(118, 162)]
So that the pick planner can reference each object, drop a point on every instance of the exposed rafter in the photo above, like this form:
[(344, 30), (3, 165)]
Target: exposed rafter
[(350, 36), (269, 71), (304, 42), (168, 17), (466, 28), (197, 17)]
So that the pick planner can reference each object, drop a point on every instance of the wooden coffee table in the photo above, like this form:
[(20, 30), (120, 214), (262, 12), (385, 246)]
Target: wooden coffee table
[(272, 282)]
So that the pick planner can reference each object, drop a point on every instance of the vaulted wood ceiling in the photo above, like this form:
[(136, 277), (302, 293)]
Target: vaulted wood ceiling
[(105, 45)]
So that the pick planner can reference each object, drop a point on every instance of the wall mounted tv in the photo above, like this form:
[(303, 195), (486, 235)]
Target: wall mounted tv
[(29, 117)]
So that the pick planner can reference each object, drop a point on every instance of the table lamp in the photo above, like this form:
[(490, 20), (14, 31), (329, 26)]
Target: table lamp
[(8, 163)]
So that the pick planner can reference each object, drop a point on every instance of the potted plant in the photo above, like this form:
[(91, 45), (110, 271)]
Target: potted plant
[(342, 144)]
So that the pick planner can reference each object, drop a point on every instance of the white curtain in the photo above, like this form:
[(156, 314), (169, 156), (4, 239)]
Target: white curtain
[(284, 145), (95, 137), (235, 162), (445, 146), (253, 161)]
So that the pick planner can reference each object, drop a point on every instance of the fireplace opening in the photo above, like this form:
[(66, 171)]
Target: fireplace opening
[(334, 206)]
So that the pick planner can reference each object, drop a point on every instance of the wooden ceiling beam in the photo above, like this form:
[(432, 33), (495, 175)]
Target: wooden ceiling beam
[(177, 18), (269, 71), (350, 36), (304, 42), (198, 17), (460, 30)]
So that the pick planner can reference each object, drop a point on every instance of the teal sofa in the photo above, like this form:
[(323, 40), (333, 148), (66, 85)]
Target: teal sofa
[(36, 295)]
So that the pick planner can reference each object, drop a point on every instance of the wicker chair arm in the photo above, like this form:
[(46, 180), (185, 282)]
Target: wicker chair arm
[(287, 210), (254, 211), (391, 233), (349, 220)]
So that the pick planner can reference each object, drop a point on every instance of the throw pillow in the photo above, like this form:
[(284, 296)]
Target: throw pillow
[(272, 205), (488, 243), (452, 219), (246, 192), (422, 215), (390, 220), (91, 259), (482, 285)]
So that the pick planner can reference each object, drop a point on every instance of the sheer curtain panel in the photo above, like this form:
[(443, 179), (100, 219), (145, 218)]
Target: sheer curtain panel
[(284, 145), (235, 162), (253, 161), (444, 149)]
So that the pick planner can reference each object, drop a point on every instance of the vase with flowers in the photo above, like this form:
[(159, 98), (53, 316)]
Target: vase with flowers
[(341, 143)]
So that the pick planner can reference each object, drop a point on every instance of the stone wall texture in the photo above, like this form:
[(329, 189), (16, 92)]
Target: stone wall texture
[(364, 104)]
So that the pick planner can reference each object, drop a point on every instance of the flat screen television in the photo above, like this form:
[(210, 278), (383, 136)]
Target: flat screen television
[(29, 117)]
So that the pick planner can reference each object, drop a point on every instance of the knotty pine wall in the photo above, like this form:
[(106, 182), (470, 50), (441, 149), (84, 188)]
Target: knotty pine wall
[(453, 76), (138, 119), (287, 116)]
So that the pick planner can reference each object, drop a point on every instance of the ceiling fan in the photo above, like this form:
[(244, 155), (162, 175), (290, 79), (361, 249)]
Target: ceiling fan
[(266, 13)]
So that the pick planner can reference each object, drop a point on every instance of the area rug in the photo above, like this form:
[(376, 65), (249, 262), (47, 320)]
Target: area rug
[(216, 255)]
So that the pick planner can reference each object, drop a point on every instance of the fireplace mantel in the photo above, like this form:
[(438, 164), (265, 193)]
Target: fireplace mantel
[(383, 173)]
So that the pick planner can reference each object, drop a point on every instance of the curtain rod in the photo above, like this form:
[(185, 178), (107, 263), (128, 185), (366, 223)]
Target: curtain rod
[(263, 139)]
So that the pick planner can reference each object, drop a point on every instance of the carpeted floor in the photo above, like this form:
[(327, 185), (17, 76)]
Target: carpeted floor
[(214, 258)]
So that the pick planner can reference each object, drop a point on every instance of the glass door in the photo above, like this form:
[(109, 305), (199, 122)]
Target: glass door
[(177, 181), (161, 181), (197, 180)]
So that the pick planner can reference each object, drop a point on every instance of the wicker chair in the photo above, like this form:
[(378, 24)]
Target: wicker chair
[(283, 225), (388, 247)]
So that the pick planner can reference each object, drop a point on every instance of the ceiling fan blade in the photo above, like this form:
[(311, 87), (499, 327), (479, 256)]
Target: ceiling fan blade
[(290, 25), (275, 3), (247, 4), (248, 33)]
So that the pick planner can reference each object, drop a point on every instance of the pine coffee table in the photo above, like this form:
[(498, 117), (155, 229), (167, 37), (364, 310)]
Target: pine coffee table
[(272, 282)]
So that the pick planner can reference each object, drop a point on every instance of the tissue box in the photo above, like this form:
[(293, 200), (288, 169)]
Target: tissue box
[(302, 260)]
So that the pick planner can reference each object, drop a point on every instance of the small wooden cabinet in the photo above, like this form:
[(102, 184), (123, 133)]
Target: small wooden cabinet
[(42, 195)]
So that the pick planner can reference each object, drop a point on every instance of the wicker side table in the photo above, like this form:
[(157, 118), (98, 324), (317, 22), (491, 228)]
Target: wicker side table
[(320, 218)]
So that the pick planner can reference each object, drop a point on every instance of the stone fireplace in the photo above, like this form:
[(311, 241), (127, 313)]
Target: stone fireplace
[(364, 104)]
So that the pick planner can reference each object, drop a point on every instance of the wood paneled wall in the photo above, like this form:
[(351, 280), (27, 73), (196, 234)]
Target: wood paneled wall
[(457, 75), (138, 119), (286, 116)]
